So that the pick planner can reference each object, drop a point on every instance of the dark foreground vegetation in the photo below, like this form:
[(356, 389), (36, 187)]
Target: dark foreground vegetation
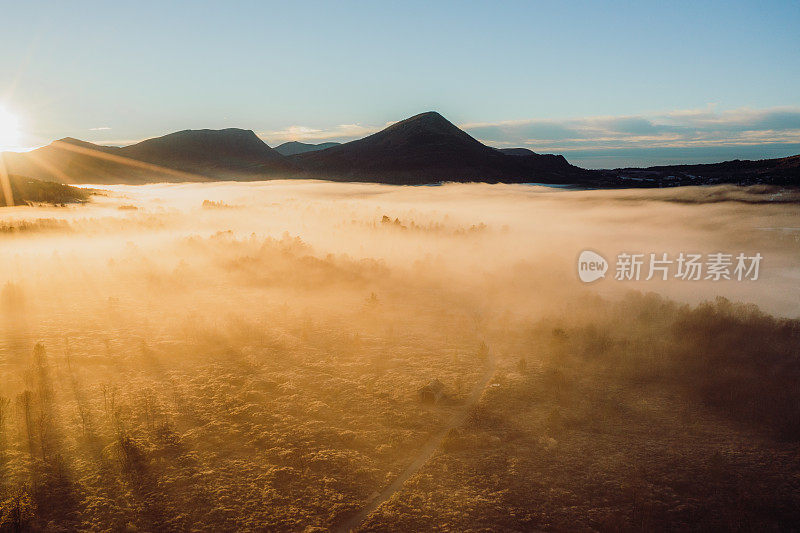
[(637, 415), (27, 191), (642, 415)]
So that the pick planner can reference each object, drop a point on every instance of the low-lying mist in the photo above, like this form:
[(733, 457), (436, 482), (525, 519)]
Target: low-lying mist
[(251, 356), (487, 238)]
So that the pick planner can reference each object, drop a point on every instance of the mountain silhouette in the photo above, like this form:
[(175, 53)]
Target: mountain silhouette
[(517, 151), (189, 155), (70, 160), (784, 169), (218, 154), (780, 171), (428, 148), (296, 147)]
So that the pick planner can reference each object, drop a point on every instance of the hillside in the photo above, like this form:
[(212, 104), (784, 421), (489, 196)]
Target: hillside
[(781, 171), (70, 160), (30, 191), (189, 155), (296, 147), (230, 153), (428, 148)]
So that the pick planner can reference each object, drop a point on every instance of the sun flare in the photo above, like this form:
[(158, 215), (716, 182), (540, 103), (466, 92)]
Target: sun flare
[(9, 130)]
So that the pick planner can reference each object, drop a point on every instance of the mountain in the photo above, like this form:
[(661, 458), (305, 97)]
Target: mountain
[(425, 148), (428, 148), (189, 155), (296, 147), (66, 160), (218, 154), (517, 151), (552, 162), (781, 171), (785, 170)]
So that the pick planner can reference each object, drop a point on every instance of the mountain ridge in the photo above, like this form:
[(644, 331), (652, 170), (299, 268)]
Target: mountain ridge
[(424, 148), (231, 152), (186, 155), (297, 147), (427, 148)]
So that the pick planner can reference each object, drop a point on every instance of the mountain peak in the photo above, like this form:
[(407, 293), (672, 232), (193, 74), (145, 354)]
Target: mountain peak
[(230, 151), (72, 141), (237, 134), (429, 132), (76, 142), (429, 120), (224, 141), (426, 148), (428, 116)]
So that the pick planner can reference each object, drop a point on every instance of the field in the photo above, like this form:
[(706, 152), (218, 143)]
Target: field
[(228, 357)]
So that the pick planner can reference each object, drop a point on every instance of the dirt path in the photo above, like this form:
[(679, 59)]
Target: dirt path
[(457, 419)]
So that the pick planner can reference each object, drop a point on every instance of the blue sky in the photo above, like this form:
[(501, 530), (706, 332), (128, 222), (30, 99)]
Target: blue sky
[(594, 81)]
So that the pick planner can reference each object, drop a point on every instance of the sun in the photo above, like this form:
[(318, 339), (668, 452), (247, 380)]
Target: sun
[(9, 130)]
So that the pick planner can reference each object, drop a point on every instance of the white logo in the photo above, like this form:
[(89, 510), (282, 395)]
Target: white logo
[(591, 266)]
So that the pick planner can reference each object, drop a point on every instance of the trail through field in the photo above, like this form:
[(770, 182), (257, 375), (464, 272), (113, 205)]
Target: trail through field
[(457, 419)]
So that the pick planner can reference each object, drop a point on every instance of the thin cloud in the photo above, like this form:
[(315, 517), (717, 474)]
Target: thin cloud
[(342, 132), (705, 127), (101, 128), (673, 129)]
